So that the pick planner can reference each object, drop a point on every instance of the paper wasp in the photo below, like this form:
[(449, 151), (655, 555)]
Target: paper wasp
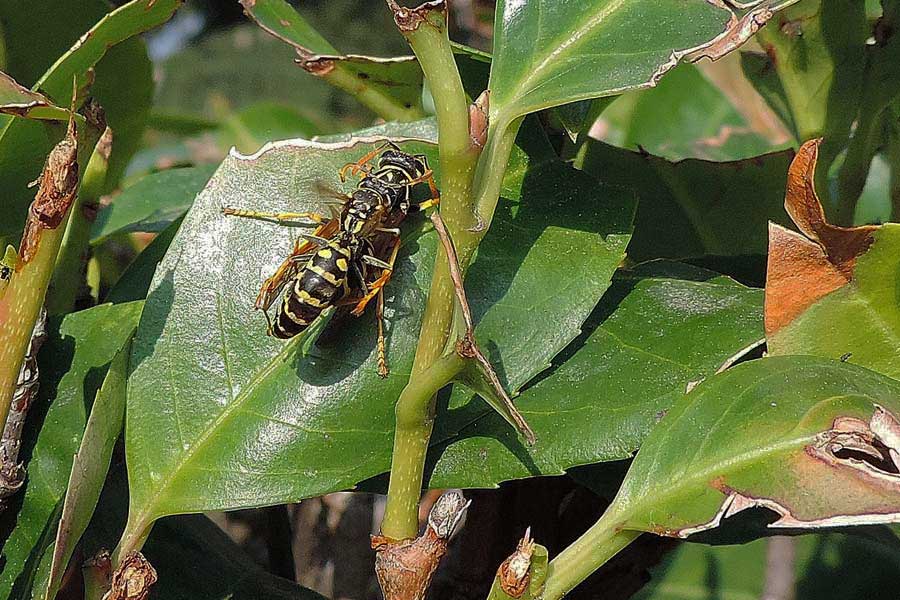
[(331, 266)]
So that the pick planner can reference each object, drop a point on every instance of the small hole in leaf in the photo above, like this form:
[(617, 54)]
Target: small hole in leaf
[(362, 75)]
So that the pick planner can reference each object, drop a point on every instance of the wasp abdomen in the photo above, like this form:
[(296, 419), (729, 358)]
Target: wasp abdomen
[(321, 282)]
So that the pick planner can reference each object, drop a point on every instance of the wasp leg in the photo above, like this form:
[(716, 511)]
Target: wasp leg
[(275, 216), (363, 163), (382, 354), (379, 283)]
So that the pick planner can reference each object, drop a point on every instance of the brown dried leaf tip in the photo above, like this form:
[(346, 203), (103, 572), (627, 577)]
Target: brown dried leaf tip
[(804, 268), (514, 573), (57, 186), (405, 568), (132, 580), (409, 19)]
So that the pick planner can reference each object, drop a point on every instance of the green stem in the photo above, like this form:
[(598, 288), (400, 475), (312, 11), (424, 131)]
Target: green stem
[(381, 104), (415, 420), (585, 555), (19, 308), (416, 407)]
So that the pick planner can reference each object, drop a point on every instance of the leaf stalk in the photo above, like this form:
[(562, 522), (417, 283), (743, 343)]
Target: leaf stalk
[(425, 29), (585, 555)]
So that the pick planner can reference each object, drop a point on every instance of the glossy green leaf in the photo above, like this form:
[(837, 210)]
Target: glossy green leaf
[(825, 567), (232, 418), (685, 116), (781, 433), (89, 467), (19, 101), (125, 91), (72, 365), (694, 207), (134, 282), (859, 321), (657, 329), (552, 52), (151, 203)]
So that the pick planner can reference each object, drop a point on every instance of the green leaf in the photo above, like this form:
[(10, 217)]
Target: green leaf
[(24, 145), (72, 364), (657, 329), (769, 433), (238, 419), (685, 116), (695, 207), (759, 69), (19, 101), (860, 320), (90, 466), (818, 53), (151, 203), (134, 283), (552, 52), (825, 567)]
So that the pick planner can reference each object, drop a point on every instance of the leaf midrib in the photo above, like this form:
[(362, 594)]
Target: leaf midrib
[(560, 46), (146, 514)]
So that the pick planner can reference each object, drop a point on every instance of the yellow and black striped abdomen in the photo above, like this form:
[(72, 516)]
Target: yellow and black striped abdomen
[(321, 282)]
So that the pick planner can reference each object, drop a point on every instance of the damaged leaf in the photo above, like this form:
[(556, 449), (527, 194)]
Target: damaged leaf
[(391, 87), (815, 441), (21, 102), (832, 291)]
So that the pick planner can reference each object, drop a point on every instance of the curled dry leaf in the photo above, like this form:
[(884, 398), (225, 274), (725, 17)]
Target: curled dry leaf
[(405, 568), (831, 290), (19, 101), (58, 184)]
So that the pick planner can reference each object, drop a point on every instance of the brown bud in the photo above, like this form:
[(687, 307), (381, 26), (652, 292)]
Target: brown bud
[(514, 573), (405, 568), (133, 579)]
